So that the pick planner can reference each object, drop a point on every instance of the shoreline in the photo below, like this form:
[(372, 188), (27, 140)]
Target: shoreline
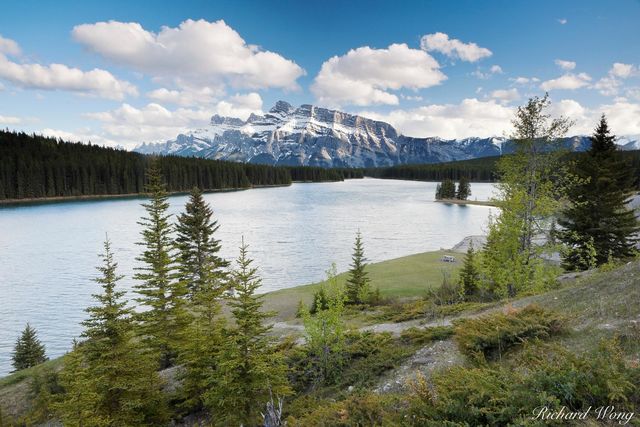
[(467, 202), (98, 197)]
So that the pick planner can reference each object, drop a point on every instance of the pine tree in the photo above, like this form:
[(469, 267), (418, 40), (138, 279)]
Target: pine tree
[(121, 381), (198, 261), (28, 351), (598, 214), (250, 370), (164, 296), (358, 281), (470, 274), (464, 188)]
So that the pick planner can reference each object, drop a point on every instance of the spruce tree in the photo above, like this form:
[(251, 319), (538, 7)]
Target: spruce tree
[(598, 214), (79, 400), (250, 369), (162, 295), (464, 189), (470, 274), (28, 351), (199, 264), (358, 281), (121, 381), (203, 270)]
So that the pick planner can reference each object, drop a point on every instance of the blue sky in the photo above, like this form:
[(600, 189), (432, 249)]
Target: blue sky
[(129, 72)]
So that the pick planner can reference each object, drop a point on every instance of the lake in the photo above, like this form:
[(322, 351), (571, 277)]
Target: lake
[(48, 252)]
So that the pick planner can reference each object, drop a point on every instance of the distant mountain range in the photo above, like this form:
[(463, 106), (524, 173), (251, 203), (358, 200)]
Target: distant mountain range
[(315, 136)]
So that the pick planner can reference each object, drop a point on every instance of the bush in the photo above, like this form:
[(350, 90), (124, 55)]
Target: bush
[(542, 375), (365, 357), (360, 409), (422, 336), (488, 336)]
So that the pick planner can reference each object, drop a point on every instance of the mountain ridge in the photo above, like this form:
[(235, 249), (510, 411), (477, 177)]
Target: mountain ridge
[(309, 135)]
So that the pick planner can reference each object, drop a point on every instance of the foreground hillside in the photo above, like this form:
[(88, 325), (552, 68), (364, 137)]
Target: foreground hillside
[(406, 340)]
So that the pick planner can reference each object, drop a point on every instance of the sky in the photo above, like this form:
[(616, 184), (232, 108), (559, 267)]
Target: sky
[(121, 73)]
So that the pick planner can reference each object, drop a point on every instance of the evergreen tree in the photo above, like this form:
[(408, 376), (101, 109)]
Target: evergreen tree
[(199, 264), (358, 281), (28, 351), (598, 214), (470, 274), (77, 407), (203, 271), (250, 369), (164, 296), (439, 191), (464, 188), (446, 190), (118, 375)]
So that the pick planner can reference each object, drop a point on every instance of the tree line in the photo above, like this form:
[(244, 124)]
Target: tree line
[(35, 166), (483, 169)]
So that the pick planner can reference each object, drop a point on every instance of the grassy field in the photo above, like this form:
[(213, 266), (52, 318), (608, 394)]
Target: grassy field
[(404, 277)]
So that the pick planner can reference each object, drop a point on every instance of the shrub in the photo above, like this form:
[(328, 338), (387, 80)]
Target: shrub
[(488, 336), (541, 375), (360, 409), (422, 336)]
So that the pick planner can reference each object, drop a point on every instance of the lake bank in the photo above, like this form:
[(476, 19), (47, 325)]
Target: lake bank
[(467, 202), (98, 197)]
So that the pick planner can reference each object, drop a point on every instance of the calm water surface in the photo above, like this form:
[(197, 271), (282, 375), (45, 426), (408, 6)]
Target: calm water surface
[(48, 252)]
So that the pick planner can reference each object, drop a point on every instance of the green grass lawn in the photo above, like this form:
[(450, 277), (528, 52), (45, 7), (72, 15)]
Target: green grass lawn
[(405, 277)]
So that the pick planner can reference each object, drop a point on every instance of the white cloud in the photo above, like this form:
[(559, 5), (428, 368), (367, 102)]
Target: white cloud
[(623, 116), (453, 48), (524, 80), (185, 97), (610, 84), (562, 21), (565, 65), (471, 117), (131, 126), (495, 69), (623, 70), (9, 120), (365, 76), (240, 106), (151, 123), (506, 95), (195, 53), (568, 81), (8, 46), (96, 82), (84, 135)]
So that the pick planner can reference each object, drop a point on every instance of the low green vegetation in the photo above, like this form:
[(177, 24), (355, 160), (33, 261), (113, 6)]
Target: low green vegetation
[(487, 337)]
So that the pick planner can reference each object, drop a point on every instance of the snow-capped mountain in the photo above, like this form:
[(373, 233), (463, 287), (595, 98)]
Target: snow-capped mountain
[(314, 136)]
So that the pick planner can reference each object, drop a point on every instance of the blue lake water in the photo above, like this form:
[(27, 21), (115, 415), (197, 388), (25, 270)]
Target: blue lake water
[(48, 252)]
